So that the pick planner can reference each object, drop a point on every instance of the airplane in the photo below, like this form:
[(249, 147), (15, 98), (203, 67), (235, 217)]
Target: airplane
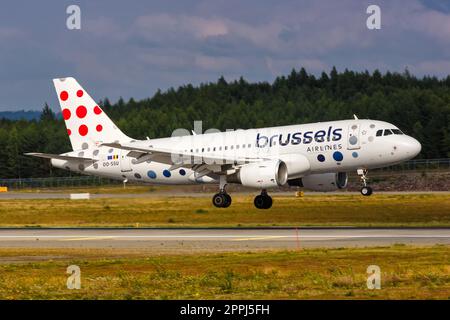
[(316, 156)]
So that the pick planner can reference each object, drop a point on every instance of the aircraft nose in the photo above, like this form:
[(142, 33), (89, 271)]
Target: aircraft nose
[(413, 147)]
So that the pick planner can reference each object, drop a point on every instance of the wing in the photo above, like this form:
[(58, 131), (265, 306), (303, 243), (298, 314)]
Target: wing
[(202, 164), (57, 156)]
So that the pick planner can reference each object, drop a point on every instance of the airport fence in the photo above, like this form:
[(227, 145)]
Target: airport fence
[(56, 182), (421, 165)]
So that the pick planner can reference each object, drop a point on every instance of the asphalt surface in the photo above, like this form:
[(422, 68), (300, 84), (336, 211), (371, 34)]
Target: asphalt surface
[(216, 240), (169, 193)]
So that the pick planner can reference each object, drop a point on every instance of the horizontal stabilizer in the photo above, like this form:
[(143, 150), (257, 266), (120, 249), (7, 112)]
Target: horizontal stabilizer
[(57, 156)]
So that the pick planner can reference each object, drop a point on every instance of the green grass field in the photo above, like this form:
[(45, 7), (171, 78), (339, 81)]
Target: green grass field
[(176, 211), (406, 273)]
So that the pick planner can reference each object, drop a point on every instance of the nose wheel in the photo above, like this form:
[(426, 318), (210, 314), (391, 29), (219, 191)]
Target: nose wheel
[(365, 190), (263, 201)]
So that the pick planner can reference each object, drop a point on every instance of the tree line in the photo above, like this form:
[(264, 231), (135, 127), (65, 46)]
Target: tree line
[(418, 106)]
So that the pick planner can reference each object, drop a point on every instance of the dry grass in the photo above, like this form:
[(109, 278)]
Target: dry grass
[(157, 211), (109, 189), (406, 273)]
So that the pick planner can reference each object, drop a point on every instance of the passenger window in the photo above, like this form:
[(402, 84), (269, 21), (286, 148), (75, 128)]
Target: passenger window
[(387, 132), (249, 145), (226, 148), (379, 133)]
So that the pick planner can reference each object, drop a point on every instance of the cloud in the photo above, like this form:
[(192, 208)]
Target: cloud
[(7, 34), (134, 48), (217, 63), (439, 68)]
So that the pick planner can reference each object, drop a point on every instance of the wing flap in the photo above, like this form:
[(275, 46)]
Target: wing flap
[(58, 156)]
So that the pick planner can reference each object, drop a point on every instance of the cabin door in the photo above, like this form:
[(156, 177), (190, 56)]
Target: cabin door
[(125, 161), (353, 140)]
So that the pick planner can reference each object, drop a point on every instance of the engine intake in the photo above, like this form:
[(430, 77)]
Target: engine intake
[(262, 175)]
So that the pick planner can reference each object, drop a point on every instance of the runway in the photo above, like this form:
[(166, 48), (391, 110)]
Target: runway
[(212, 240), (156, 194)]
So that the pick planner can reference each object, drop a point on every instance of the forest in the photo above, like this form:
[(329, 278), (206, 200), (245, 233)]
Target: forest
[(418, 106)]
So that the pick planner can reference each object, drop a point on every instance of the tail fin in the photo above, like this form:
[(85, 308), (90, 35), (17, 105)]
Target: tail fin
[(87, 125)]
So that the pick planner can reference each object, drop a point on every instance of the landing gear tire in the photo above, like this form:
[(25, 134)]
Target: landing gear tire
[(221, 200), (228, 200), (366, 191), (263, 201)]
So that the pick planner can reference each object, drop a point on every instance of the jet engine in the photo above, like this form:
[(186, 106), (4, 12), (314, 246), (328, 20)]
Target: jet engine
[(297, 165), (262, 175), (322, 181)]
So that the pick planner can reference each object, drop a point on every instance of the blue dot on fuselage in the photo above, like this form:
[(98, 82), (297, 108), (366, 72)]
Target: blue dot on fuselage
[(355, 154), (182, 172), (151, 174), (166, 173), (321, 157), (338, 156)]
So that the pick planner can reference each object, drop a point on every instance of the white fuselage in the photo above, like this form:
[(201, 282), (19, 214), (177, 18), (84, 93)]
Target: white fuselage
[(335, 146)]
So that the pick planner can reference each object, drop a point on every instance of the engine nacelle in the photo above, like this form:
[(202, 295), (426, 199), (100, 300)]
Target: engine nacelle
[(322, 181), (297, 165), (261, 175)]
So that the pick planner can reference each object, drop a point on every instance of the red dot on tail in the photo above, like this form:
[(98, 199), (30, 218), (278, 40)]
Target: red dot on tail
[(69, 132), (99, 127), (66, 114), (81, 111), (83, 130), (64, 95), (97, 110), (79, 93)]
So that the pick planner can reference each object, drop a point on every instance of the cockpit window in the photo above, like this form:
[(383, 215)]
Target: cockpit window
[(387, 132), (397, 131), (379, 133)]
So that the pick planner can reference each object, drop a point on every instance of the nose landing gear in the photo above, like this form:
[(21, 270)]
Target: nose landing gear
[(263, 201), (365, 190)]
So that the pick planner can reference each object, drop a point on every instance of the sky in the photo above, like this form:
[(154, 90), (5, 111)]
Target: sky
[(133, 48)]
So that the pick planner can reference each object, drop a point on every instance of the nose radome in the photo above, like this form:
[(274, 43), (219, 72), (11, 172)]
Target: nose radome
[(413, 147)]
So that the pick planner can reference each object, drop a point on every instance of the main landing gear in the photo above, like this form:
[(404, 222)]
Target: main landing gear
[(222, 199), (263, 201), (365, 190)]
